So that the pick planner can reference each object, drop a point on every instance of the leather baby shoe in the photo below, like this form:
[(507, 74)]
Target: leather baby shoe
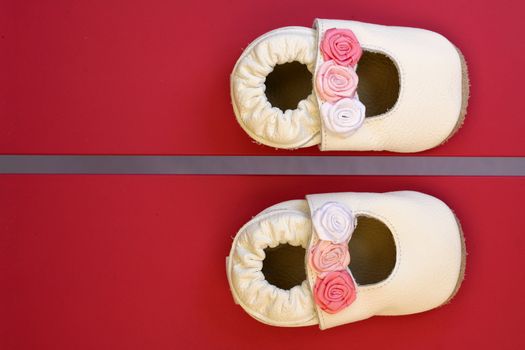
[(347, 85), (343, 257)]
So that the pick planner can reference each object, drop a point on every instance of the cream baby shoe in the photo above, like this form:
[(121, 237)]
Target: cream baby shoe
[(343, 257), (347, 85)]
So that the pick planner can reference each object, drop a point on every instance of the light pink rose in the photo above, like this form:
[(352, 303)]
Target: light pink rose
[(335, 82), (326, 256), (343, 117), (333, 291), (342, 46)]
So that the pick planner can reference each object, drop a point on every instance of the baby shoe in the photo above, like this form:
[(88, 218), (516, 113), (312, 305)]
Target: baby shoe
[(343, 257), (347, 85)]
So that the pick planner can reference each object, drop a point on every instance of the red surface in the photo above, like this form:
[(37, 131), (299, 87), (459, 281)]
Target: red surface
[(151, 77), (137, 262)]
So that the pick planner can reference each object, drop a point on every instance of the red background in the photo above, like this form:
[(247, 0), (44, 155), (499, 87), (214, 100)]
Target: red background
[(137, 262), (151, 77), (126, 262)]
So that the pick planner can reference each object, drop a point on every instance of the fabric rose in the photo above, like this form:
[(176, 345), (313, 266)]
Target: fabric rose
[(342, 46), (326, 256), (335, 82), (333, 291), (343, 117), (333, 222)]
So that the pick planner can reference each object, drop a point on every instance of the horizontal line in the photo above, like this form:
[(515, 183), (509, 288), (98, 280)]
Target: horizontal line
[(264, 165)]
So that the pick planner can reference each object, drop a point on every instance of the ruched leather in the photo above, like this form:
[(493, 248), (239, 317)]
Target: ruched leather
[(263, 301), (266, 124)]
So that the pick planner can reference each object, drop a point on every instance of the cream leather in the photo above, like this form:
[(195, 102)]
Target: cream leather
[(429, 101), (425, 114), (428, 259)]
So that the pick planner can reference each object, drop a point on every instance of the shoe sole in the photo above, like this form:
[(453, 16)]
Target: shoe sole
[(465, 90), (463, 264), (465, 94)]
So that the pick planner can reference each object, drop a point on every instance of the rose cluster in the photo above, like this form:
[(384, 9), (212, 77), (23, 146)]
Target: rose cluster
[(334, 287), (336, 82)]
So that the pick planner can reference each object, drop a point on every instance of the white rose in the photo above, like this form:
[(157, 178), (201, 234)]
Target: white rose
[(343, 117), (333, 222)]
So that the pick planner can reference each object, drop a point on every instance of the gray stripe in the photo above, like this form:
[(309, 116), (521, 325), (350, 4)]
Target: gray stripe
[(264, 165)]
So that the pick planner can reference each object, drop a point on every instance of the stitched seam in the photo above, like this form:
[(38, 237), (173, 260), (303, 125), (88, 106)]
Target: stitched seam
[(312, 277), (310, 273), (320, 33)]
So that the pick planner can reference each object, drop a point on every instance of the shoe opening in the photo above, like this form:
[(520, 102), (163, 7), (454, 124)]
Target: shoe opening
[(378, 87), (283, 266), (372, 251), (288, 84), (372, 257)]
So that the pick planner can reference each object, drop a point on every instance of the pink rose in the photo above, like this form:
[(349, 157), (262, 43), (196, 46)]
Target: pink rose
[(326, 256), (335, 82), (333, 291), (342, 46)]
